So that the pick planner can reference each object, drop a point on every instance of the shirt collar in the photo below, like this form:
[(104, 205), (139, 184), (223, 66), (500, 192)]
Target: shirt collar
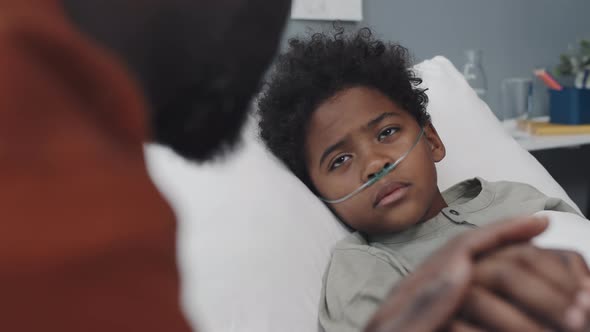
[(456, 212)]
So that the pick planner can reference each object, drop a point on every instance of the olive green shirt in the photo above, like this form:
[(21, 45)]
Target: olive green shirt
[(362, 270)]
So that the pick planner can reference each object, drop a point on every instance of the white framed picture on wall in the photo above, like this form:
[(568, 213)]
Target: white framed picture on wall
[(330, 10)]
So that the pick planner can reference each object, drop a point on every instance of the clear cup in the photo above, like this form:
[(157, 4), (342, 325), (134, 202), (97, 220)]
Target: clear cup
[(516, 94)]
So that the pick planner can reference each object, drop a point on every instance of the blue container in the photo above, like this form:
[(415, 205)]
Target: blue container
[(569, 106)]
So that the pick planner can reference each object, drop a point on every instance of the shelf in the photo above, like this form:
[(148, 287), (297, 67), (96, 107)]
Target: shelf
[(536, 143)]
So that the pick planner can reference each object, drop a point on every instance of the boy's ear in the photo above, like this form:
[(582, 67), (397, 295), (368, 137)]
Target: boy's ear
[(437, 148)]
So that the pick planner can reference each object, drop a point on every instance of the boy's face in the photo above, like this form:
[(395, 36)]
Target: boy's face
[(354, 135)]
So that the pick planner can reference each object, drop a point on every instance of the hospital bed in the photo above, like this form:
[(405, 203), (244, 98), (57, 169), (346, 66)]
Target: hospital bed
[(253, 242)]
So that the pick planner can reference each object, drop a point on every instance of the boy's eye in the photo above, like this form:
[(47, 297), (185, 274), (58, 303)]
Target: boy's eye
[(339, 161), (386, 133)]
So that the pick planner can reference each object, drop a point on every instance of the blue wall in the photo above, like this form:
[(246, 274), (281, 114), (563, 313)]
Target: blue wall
[(515, 35)]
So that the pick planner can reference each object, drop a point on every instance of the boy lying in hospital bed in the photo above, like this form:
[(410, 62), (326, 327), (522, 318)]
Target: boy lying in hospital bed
[(344, 113)]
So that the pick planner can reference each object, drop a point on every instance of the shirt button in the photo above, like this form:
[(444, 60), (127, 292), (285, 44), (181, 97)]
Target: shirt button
[(454, 212)]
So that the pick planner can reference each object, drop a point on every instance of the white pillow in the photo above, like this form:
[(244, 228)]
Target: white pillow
[(254, 242), (476, 142), (566, 231)]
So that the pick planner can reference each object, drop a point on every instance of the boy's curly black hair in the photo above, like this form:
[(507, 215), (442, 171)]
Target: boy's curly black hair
[(316, 68)]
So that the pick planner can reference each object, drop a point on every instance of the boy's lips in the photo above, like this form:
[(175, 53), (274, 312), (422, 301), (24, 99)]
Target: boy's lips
[(389, 193)]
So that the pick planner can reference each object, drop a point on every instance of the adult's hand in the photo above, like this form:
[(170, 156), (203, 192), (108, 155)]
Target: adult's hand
[(428, 298), (525, 288)]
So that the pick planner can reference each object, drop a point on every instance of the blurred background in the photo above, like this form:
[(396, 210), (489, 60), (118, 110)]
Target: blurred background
[(514, 36)]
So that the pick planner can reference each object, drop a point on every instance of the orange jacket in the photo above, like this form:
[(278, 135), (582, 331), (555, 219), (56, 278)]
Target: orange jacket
[(87, 243)]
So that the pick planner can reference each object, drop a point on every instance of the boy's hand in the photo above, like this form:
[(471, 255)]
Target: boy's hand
[(525, 288), (428, 298)]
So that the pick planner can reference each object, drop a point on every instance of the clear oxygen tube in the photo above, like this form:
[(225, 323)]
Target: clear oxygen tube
[(382, 173)]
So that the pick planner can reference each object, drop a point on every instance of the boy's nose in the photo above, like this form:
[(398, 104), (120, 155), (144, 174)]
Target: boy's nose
[(373, 168)]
